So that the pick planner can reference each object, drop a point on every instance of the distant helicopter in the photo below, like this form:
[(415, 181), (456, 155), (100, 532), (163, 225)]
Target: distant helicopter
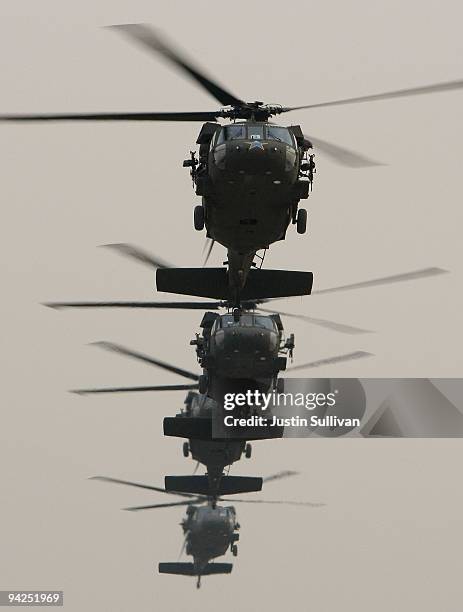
[(215, 455), (251, 176), (241, 345), (210, 530)]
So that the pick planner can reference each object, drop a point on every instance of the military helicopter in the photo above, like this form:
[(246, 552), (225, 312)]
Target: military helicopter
[(215, 455), (210, 530), (250, 174), (241, 345)]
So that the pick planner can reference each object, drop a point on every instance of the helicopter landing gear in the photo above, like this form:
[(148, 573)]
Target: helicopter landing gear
[(234, 550), (248, 451), (301, 221), (199, 218), (186, 449), (203, 383)]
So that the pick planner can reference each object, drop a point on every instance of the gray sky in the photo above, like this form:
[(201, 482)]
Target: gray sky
[(393, 510)]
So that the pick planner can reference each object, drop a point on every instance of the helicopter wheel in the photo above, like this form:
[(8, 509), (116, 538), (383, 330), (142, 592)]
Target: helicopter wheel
[(199, 218), (248, 451), (301, 223), (234, 550), (186, 449)]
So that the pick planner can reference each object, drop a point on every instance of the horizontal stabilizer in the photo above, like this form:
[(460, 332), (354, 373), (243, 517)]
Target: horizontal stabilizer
[(213, 283), (193, 428), (188, 569), (207, 429), (229, 485), (217, 568)]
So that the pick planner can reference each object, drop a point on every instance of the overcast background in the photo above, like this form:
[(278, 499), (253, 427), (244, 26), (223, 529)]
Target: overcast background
[(390, 536)]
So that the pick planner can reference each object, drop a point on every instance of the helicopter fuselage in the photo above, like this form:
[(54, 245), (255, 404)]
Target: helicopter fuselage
[(215, 455), (243, 346), (209, 531), (252, 187), (240, 353), (251, 176)]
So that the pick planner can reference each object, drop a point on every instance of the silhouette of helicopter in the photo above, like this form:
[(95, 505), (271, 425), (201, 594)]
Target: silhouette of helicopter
[(251, 176), (210, 530)]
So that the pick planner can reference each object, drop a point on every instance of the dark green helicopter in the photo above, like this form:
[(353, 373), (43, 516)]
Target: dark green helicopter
[(251, 176), (210, 530)]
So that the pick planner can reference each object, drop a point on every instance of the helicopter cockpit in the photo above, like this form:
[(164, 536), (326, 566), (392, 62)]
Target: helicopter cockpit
[(245, 320), (254, 131)]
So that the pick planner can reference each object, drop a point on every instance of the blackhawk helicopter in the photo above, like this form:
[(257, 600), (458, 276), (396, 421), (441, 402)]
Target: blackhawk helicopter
[(250, 174), (210, 530)]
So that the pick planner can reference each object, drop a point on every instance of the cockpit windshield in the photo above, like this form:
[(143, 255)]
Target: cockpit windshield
[(275, 132), (253, 131), (246, 320), (232, 132)]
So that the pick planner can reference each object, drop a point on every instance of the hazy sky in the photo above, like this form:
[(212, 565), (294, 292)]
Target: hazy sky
[(390, 535)]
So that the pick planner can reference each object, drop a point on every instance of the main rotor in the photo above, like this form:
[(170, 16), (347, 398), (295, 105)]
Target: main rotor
[(251, 111), (233, 108)]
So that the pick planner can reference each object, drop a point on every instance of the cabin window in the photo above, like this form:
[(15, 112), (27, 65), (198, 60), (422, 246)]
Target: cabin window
[(281, 134)]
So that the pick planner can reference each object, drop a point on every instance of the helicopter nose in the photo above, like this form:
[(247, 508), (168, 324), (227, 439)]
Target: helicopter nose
[(256, 157)]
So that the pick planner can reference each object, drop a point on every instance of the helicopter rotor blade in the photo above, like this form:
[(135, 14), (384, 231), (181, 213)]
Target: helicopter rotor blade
[(399, 93), (331, 360), (134, 389), (280, 475), (143, 486), (149, 38), (386, 280), (153, 506), (339, 327), (117, 348), (208, 248), (181, 116), (134, 252), (146, 305), (343, 156)]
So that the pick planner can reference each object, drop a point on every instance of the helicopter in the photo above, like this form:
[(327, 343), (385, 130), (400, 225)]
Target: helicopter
[(241, 345), (210, 530), (215, 455), (250, 174)]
